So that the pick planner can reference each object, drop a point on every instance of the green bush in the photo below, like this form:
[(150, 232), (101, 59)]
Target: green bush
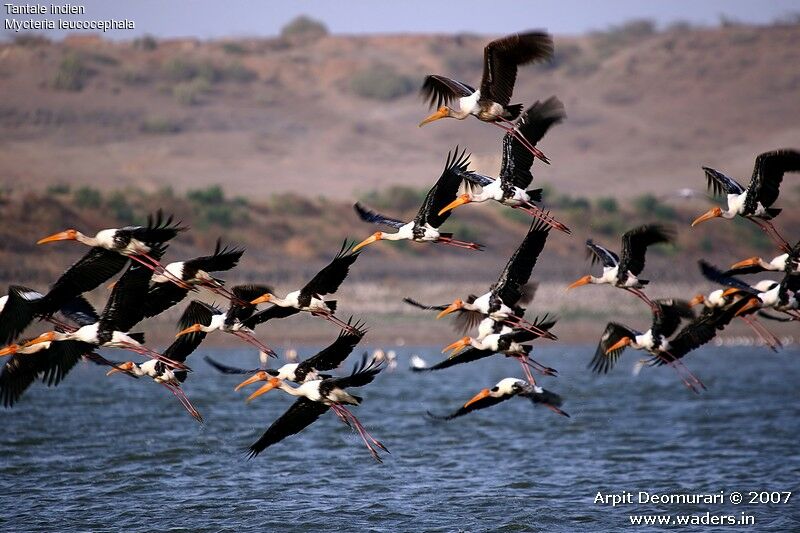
[(72, 74), (607, 204), (233, 48), (189, 92), (159, 125), (304, 28), (87, 197), (649, 205), (146, 42), (381, 82), (211, 195), (221, 215), (616, 37), (59, 189), (119, 206)]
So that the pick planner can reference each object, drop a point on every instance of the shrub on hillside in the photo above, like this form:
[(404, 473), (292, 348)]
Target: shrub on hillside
[(87, 197), (304, 28), (71, 75), (381, 82)]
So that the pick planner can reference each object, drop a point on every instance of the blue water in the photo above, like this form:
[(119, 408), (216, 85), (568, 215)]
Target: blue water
[(100, 453)]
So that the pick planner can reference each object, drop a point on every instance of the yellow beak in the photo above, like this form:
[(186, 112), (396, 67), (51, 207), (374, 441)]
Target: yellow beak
[(455, 306), (624, 341), (440, 113), (585, 280), (258, 376), (68, 235), (697, 300), (262, 299), (194, 328), (480, 396), (457, 346), (728, 292), (44, 337), (461, 200), (753, 261), (369, 240), (11, 349), (708, 215), (273, 383), (754, 303)]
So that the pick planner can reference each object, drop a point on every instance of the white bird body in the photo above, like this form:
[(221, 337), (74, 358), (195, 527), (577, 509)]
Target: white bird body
[(311, 390)]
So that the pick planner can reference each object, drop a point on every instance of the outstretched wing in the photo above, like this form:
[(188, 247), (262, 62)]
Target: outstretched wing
[(483, 403), (158, 230), (328, 280), (300, 415), (363, 373), (18, 312), (602, 255), (464, 321), (241, 310), (441, 90), (225, 369), (668, 319), (719, 184), (126, 305), (464, 356), (712, 273), (501, 58), (183, 346), (444, 190), (162, 296), (511, 283), (333, 355), (271, 313), (544, 323), (767, 176), (635, 243), (223, 258), (376, 218), (602, 362), (532, 125)]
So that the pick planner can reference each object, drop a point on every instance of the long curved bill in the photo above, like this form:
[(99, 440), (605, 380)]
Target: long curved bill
[(585, 280), (44, 337), (754, 303), (461, 200), (478, 397), (455, 306), (11, 349), (194, 328), (752, 261), (440, 113), (708, 215), (273, 383), (697, 300), (457, 346), (258, 376), (261, 299), (365, 242), (730, 291), (60, 236), (623, 342), (124, 367)]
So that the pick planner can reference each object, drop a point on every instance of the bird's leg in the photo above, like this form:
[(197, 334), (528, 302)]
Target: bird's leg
[(59, 324), (251, 339), (764, 334), (363, 433), (460, 244), (178, 392), (341, 416), (148, 352), (542, 215), (158, 268), (521, 138), (527, 326), (644, 298), (338, 321), (688, 378), (227, 294), (525, 368), (766, 226)]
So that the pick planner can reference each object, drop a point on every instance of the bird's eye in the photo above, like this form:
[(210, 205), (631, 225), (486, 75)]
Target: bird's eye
[(494, 389)]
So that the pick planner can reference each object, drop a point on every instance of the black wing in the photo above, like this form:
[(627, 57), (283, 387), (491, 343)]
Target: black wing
[(271, 313), (197, 312), (21, 307), (300, 415), (93, 269), (225, 369), (223, 258), (635, 243), (444, 190), (501, 58), (376, 218), (533, 124), (126, 305), (511, 283), (241, 310), (712, 273), (422, 306), (544, 323), (464, 356), (719, 184), (328, 280), (602, 362), (80, 311), (333, 355), (668, 319), (158, 230), (483, 403), (183, 346), (440, 90), (162, 296), (363, 373), (767, 176), (600, 254), (464, 320)]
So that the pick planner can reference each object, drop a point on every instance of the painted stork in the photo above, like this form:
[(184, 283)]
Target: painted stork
[(425, 226), (755, 202), (163, 293), (696, 333), (315, 398), (515, 170), (503, 301), (468, 349), (491, 103), (326, 359), (17, 310), (788, 263), (134, 242), (310, 298), (202, 317), (624, 273), (124, 309), (506, 389)]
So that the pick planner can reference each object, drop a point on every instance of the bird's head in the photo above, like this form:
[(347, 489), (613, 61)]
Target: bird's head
[(126, 367), (461, 200), (730, 291), (455, 306), (752, 303), (375, 237), (264, 298), (194, 328), (714, 212), (698, 299), (261, 375), (442, 112), (66, 235), (585, 280), (750, 261), (49, 336), (11, 349), (622, 343), (457, 346), (271, 383), (484, 393)]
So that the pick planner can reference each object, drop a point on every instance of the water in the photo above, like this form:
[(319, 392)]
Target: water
[(102, 453)]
